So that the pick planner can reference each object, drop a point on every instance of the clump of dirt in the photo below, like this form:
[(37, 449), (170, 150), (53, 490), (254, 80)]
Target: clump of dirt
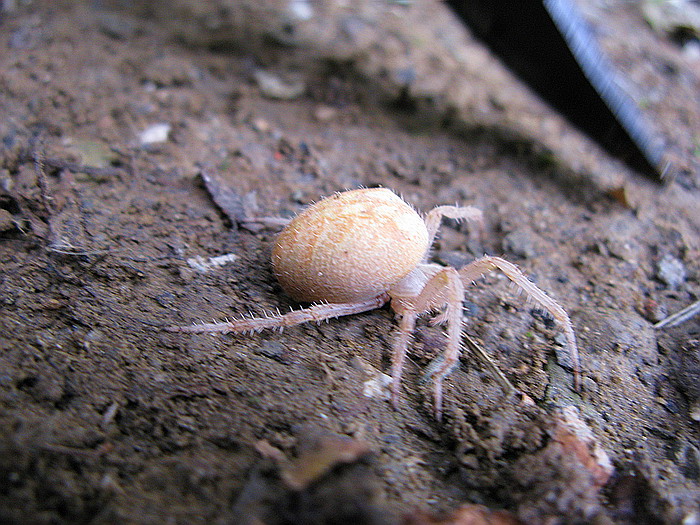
[(134, 140)]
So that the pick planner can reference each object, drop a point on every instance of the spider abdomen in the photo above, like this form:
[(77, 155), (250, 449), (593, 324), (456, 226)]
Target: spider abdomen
[(349, 247)]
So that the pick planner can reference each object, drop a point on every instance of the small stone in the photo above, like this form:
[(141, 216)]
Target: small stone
[(165, 299), (691, 463), (323, 113), (48, 388), (452, 258), (154, 134), (301, 9), (589, 385), (520, 243), (695, 412), (692, 518), (654, 311), (116, 26), (691, 50), (561, 352), (671, 271), (260, 125), (470, 461), (578, 440), (7, 223), (272, 86), (271, 350), (378, 386)]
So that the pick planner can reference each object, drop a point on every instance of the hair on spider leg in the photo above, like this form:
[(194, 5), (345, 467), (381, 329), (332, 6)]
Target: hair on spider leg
[(514, 289), (434, 367), (439, 318)]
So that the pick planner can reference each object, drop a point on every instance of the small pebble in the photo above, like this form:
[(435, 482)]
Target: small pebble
[(691, 50), (165, 299), (520, 243), (323, 113), (690, 466), (671, 271), (654, 311), (7, 223), (301, 9), (692, 518), (695, 412), (452, 258), (589, 385), (272, 86), (260, 125), (672, 406), (271, 349), (563, 356), (154, 134)]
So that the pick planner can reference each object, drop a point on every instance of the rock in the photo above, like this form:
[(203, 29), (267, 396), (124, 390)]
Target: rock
[(274, 87), (578, 440), (154, 134), (671, 271), (520, 243)]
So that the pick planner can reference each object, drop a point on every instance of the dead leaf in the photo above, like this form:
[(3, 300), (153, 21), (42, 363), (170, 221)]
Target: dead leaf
[(312, 465), (225, 196), (577, 439), (468, 514)]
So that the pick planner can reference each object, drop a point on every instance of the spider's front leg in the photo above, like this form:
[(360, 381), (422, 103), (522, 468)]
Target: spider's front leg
[(319, 312), (443, 288), (487, 264), (458, 213)]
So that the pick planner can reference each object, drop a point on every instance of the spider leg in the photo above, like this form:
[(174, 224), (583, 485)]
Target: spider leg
[(453, 313), (480, 267), (468, 213), (319, 312), (443, 288), (407, 325)]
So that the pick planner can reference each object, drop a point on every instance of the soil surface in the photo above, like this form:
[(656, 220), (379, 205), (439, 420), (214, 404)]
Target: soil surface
[(136, 139)]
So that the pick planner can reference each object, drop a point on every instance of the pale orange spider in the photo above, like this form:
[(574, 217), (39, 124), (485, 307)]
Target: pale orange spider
[(357, 250)]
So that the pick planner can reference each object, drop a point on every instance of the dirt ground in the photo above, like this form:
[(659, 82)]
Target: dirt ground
[(134, 139)]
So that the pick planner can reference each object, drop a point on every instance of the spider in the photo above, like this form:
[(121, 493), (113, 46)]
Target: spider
[(360, 249)]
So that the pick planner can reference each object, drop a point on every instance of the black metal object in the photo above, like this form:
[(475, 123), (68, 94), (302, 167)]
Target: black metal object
[(549, 46)]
